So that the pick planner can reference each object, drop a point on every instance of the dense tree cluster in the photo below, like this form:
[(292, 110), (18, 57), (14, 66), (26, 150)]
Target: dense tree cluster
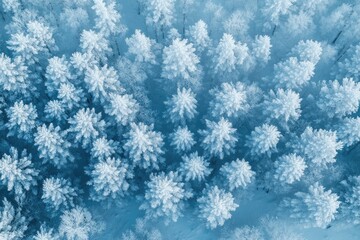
[(181, 108)]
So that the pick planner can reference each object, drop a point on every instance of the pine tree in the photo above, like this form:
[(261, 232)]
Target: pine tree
[(308, 50), (318, 146), (181, 106), (180, 63), (182, 139), (263, 140), (101, 82), (159, 12), (141, 47), (229, 54), (351, 205), (46, 234), (315, 208), (14, 76), (109, 179), (230, 100), (219, 138), (57, 73), (71, 97), (289, 168), (348, 131), (165, 196), (124, 108), (144, 146), (17, 173), (52, 145), (261, 48), (238, 174), (58, 193), (86, 126), (215, 206), (273, 9), (107, 18), (103, 148), (349, 67), (283, 105), (338, 100), (22, 120), (292, 73), (12, 224), (77, 223), (199, 36), (95, 45), (194, 167)]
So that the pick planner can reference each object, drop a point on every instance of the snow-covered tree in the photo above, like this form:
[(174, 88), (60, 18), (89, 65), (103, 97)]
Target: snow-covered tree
[(238, 23), (12, 224), (52, 145), (144, 146), (182, 139), (101, 82), (103, 148), (351, 205), (107, 18), (230, 100), (199, 36), (349, 67), (229, 54), (57, 72), (348, 131), (261, 48), (165, 196), (238, 174), (82, 61), (219, 138), (77, 224), (109, 178), (245, 233), (17, 173), (141, 47), (283, 105), (315, 208), (318, 146), (11, 5), (215, 206), (42, 34), (180, 63), (308, 50), (46, 234), (55, 111), (263, 140), (159, 12), (292, 73), (86, 125), (95, 45), (194, 167), (181, 106), (339, 99), (14, 75), (289, 168), (124, 108), (70, 96), (22, 120), (58, 193), (24, 46), (74, 18), (274, 9), (299, 24), (37, 39)]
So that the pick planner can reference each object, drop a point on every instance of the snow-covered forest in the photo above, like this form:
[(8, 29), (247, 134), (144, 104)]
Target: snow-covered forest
[(179, 119)]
